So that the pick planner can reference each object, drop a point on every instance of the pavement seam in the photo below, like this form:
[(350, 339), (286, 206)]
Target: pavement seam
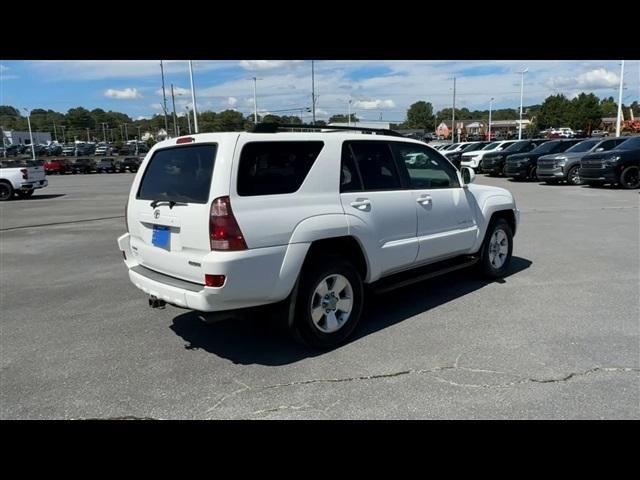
[(10, 229)]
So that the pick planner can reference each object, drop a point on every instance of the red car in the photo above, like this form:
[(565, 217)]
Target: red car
[(57, 167)]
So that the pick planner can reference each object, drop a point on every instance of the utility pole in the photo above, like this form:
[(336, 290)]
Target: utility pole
[(255, 100), (126, 134), (521, 95), (619, 117), (121, 132), (453, 112), (139, 136), (64, 138), (193, 98), (188, 118), (88, 139), (164, 101), (33, 150), (55, 134), (104, 131), (175, 124), (313, 92), (349, 117), (490, 106)]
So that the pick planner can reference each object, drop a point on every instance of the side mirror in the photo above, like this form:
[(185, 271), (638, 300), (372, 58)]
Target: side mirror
[(468, 175), (600, 149)]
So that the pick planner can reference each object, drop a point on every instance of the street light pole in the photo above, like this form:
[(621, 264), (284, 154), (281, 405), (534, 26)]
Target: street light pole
[(175, 124), (349, 117), (55, 134), (164, 100), (193, 98), (453, 112), (521, 96), (188, 118), (88, 139), (619, 116), (490, 107), (313, 92), (126, 133), (104, 131), (64, 138), (255, 100), (33, 150)]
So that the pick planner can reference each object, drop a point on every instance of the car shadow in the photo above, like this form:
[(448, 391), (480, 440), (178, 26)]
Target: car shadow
[(44, 197), (255, 340)]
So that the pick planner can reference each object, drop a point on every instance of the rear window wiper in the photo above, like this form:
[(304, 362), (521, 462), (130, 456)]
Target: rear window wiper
[(172, 203)]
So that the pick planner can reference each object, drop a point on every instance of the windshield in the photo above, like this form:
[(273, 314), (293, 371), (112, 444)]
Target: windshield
[(583, 146), (491, 146), (629, 144), (181, 174), (548, 147), (516, 147)]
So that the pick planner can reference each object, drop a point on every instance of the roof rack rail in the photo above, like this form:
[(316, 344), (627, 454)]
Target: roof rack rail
[(274, 127)]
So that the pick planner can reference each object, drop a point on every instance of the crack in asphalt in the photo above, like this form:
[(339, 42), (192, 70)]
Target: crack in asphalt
[(23, 227)]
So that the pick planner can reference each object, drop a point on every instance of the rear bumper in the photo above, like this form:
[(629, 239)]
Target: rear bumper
[(34, 185), (253, 277)]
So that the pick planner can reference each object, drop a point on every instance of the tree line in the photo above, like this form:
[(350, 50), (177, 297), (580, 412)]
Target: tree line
[(583, 112)]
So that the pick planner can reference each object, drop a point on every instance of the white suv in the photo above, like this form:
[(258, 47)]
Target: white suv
[(474, 159), (224, 221)]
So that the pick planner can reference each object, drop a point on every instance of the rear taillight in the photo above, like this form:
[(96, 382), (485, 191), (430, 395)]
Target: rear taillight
[(25, 173), (184, 140), (223, 229), (214, 280)]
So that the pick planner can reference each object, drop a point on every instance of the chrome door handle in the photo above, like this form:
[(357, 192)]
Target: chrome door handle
[(424, 199), (361, 204)]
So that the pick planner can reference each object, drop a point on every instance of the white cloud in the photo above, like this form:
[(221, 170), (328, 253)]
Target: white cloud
[(231, 101), (598, 78), (267, 64), (176, 91), (374, 104), (3, 68), (123, 94), (143, 117)]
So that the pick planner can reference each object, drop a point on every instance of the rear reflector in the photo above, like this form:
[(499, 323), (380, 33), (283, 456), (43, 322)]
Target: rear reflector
[(185, 140), (25, 173), (214, 280)]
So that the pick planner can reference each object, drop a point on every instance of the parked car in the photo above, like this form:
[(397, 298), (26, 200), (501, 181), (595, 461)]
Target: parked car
[(103, 149), (58, 167), (82, 165), (455, 157), (84, 149), (105, 166), (129, 163), (473, 159), (525, 165), (350, 211), (565, 166), (13, 150), (69, 150), (599, 133), (618, 166), (495, 163), (54, 149), (21, 178)]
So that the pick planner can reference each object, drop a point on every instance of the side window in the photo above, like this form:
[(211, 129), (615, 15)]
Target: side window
[(426, 168), (375, 164), (349, 176), (608, 145), (271, 168)]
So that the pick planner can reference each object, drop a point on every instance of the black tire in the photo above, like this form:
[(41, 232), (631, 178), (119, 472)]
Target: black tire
[(504, 169), (486, 267), (573, 176), (630, 177), (533, 173), (25, 193), (304, 329), (6, 191)]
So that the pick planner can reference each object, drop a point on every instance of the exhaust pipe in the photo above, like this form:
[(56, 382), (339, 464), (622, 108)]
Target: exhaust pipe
[(155, 302)]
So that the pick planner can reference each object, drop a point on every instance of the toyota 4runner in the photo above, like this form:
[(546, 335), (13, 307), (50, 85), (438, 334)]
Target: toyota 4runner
[(218, 222)]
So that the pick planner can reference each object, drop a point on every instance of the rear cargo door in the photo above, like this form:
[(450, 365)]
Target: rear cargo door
[(169, 217)]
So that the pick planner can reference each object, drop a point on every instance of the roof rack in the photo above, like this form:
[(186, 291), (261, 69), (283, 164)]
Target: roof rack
[(275, 127)]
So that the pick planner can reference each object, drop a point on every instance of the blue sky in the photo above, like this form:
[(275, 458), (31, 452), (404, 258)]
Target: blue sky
[(377, 89)]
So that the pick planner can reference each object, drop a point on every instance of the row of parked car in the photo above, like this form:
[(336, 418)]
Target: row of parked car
[(592, 161), (61, 166), (76, 149)]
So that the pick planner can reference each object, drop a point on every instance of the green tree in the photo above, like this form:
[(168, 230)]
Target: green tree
[(343, 118), (420, 115), (586, 112), (555, 111), (608, 107)]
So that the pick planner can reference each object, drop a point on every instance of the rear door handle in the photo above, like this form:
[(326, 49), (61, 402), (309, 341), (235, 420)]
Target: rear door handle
[(424, 199), (361, 204)]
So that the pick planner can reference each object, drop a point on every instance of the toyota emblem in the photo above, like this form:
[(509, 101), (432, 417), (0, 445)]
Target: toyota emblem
[(156, 214)]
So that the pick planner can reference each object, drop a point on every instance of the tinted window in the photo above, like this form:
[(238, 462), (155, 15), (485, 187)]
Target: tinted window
[(551, 147), (518, 147), (630, 144), (376, 166), (609, 144), (349, 176), (273, 168), (426, 168), (181, 174), (583, 146), (491, 146)]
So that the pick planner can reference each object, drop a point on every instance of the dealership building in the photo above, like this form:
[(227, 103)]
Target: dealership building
[(14, 137)]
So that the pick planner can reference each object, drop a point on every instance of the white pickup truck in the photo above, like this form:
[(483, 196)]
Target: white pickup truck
[(21, 177)]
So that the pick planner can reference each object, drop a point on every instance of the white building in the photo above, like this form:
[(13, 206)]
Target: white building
[(13, 137)]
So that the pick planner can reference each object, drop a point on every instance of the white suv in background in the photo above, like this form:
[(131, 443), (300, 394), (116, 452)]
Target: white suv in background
[(473, 159), (218, 222)]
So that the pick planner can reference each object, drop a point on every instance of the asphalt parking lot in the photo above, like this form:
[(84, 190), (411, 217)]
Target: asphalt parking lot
[(559, 338)]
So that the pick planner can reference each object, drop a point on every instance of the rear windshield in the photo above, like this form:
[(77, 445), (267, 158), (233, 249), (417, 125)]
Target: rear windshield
[(181, 174), (271, 168)]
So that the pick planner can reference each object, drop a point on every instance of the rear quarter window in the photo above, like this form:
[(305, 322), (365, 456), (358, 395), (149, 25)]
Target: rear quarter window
[(273, 168), (181, 174)]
